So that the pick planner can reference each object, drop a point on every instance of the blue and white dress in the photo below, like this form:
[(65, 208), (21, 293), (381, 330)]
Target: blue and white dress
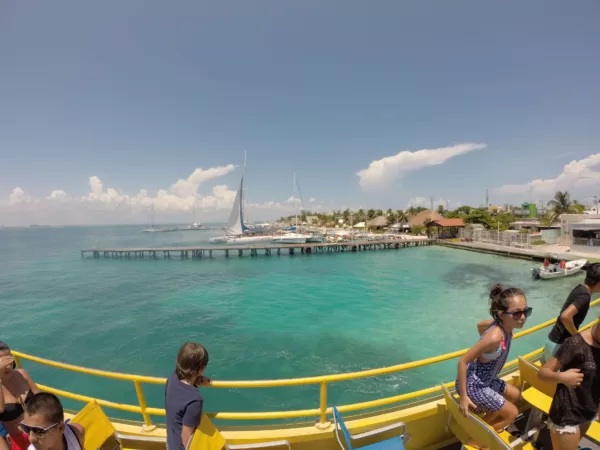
[(484, 388)]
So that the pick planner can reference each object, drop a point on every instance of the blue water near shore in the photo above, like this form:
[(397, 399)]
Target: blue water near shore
[(260, 318)]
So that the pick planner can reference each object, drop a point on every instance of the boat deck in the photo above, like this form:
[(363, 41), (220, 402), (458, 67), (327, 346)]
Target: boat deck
[(253, 249)]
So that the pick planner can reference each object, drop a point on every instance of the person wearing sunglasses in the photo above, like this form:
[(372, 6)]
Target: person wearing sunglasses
[(478, 384), (575, 368), (44, 424), (573, 312), (16, 389)]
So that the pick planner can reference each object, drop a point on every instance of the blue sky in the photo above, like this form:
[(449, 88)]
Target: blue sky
[(141, 93)]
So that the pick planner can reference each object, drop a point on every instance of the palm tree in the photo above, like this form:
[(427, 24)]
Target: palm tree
[(401, 216), (370, 214), (390, 215), (549, 219), (561, 204), (440, 210)]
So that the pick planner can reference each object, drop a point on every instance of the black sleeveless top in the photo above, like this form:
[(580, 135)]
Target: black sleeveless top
[(13, 411)]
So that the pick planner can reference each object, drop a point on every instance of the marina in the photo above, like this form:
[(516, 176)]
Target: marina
[(253, 250)]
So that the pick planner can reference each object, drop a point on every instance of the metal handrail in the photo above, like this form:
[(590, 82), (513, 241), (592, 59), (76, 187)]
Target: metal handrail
[(322, 380)]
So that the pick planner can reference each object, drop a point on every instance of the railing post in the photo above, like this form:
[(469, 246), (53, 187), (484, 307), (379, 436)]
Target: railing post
[(323, 423), (142, 401)]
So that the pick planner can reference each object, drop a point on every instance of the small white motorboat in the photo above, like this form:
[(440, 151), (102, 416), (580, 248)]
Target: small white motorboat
[(291, 238), (248, 240), (315, 239), (555, 271)]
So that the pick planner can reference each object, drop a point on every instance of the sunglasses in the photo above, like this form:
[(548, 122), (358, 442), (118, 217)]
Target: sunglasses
[(38, 431), (518, 314)]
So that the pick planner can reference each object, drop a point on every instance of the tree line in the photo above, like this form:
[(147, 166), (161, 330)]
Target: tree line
[(490, 219)]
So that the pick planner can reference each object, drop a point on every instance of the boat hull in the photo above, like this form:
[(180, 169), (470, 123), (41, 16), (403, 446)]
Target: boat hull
[(289, 241), (571, 268), (248, 240)]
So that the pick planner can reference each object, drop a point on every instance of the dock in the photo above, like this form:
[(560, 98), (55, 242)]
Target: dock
[(254, 250)]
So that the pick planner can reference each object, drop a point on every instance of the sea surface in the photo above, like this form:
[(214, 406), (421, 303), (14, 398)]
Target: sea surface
[(260, 318)]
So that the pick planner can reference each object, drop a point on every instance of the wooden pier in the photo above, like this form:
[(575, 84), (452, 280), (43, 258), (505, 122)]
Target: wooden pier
[(253, 250)]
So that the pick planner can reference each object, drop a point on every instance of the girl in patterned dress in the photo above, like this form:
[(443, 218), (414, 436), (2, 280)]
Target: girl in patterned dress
[(478, 383)]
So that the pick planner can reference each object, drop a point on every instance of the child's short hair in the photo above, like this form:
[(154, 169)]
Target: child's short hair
[(192, 357), (47, 404)]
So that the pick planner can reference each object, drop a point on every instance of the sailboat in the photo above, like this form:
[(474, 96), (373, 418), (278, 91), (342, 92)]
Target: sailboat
[(151, 228), (196, 225), (235, 225), (293, 238)]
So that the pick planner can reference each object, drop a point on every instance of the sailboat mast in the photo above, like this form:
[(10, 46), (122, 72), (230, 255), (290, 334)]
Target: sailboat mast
[(294, 191)]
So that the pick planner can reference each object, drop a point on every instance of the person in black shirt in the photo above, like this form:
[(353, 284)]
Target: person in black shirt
[(183, 402), (577, 395), (573, 311)]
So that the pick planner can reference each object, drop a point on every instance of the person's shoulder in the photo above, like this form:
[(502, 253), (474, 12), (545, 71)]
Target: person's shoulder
[(579, 290), (495, 334), (79, 431), (573, 343)]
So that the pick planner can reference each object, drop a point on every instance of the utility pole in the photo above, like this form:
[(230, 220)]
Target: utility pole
[(487, 199), (431, 199)]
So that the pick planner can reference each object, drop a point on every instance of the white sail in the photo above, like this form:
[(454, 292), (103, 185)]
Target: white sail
[(235, 224)]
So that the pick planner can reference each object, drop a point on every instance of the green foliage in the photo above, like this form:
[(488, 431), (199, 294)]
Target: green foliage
[(561, 204), (549, 219), (417, 229), (539, 242)]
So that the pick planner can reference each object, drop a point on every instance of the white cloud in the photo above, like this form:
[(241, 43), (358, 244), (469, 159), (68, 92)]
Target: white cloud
[(18, 197), (382, 172), (294, 200), (58, 195), (425, 202), (189, 186), (95, 185), (109, 205), (575, 174)]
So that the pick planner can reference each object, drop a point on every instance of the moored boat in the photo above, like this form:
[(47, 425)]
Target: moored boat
[(551, 271), (291, 238)]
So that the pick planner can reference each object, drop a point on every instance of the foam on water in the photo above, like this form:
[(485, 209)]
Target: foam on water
[(260, 318)]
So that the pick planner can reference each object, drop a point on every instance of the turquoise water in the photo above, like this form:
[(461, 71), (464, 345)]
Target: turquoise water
[(260, 318)]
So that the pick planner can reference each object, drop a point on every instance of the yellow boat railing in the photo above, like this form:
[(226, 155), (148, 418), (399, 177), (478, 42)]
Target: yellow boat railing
[(323, 381)]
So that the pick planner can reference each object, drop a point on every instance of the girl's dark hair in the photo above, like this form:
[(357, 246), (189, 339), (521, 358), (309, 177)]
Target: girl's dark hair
[(500, 298), (191, 359), (6, 348)]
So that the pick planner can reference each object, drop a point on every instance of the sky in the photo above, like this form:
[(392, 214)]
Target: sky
[(108, 108)]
